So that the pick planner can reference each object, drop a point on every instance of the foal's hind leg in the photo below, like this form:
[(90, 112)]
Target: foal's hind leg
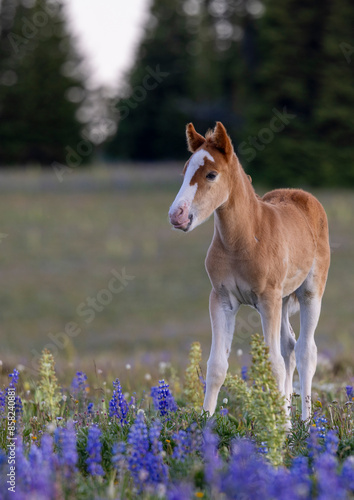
[(270, 308), (287, 342), (305, 348)]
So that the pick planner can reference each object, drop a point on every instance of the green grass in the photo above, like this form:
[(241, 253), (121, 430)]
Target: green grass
[(65, 238)]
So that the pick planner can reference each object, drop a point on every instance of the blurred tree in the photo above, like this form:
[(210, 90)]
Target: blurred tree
[(303, 79), (333, 117), (40, 86), (194, 47), (278, 73), (151, 114)]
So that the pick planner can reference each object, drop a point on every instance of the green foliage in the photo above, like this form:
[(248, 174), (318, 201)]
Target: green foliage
[(303, 69), (261, 400), (296, 439), (193, 387), (48, 392)]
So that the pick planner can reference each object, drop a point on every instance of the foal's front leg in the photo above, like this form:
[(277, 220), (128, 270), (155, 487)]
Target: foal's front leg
[(223, 309)]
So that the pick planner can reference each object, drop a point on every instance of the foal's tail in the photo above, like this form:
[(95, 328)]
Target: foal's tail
[(293, 305)]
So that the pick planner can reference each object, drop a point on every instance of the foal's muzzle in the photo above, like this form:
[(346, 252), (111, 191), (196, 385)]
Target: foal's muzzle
[(181, 219)]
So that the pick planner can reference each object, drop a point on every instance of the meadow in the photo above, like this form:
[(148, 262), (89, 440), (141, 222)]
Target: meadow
[(62, 244), (63, 239)]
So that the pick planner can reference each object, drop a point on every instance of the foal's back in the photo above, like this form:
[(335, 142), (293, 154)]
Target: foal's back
[(304, 217), (310, 208)]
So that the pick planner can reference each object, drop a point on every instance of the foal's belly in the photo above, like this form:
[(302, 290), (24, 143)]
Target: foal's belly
[(248, 292)]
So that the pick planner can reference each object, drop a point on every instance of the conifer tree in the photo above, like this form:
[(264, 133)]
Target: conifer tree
[(151, 116), (196, 45), (333, 116), (38, 86), (302, 73)]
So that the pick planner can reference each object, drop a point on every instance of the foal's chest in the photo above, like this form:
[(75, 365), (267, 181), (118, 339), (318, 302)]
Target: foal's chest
[(242, 291), (232, 279)]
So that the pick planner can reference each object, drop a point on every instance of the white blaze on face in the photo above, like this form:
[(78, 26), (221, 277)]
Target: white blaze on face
[(185, 195)]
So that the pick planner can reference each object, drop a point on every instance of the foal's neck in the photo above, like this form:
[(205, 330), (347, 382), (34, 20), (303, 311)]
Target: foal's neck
[(237, 219)]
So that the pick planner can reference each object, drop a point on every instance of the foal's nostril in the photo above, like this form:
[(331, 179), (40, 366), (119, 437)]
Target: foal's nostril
[(179, 216)]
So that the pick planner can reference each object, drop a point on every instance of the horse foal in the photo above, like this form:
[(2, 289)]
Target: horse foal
[(271, 253)]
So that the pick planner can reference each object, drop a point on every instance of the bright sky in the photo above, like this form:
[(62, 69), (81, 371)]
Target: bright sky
[(107, 33)]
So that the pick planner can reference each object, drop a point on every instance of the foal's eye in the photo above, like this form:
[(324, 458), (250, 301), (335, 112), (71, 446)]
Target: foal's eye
[(211, 176)]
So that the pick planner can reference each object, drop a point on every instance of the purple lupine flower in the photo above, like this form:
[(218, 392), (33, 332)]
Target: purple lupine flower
[(328, 479), (118, 406), (162, 395), (139, 446), (213, 463), (244, 370), (13, 378), (3, 404), (282, 484), (3, 458), (180, 491), (23, 469), (183, 445), (313, 446), (144, 455), (18, 401), (93, 449), (154, 393), (48, 457), (187, 442), (347, 473), (331, 442), (163, 400), (158, 471), (18, 406), (41, 466), (203, 382), (263, 449), (154, 437), (300, 475), (223, 411), (12, 385), (349, 390), (79, 383), (247, 472), (67, 455), (119, 458), (90, 408), (278, 484), (320, 426)]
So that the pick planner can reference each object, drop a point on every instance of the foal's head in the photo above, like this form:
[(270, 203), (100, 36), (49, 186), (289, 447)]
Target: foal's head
[(206, 178)]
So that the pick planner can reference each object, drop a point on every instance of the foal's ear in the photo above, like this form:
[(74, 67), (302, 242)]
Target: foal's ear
[(194, 140), (221, 140)]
